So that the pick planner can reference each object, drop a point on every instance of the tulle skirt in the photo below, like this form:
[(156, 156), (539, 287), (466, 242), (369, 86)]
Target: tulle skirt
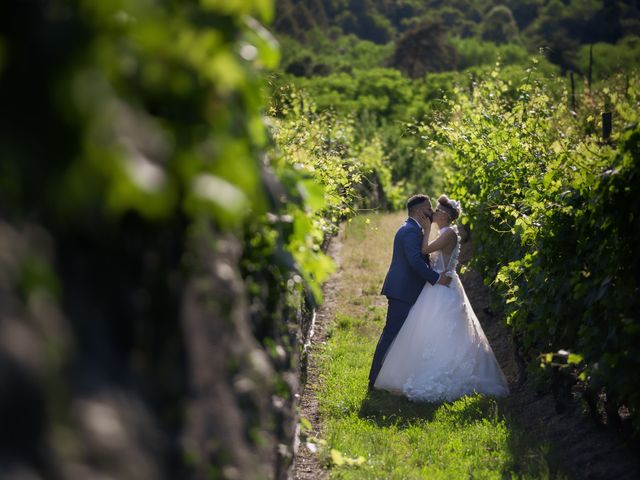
[(441, 351)]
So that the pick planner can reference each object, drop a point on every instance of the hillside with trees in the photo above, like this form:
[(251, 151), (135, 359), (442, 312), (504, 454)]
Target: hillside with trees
[(560, 29)]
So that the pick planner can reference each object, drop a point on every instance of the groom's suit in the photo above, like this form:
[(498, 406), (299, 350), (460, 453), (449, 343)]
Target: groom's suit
[(405, 279)]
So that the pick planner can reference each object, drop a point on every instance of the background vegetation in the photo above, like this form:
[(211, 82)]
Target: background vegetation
[(389, 64)]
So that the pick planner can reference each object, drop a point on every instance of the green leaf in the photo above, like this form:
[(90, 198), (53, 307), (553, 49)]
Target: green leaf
[(337, 457), (574, 358), (313, 194), (305, 425)]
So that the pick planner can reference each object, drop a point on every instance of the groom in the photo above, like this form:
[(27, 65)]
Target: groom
[(406, 277)]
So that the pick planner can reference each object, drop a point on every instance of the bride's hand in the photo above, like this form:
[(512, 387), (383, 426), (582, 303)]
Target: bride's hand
[(444, 279), (424, 221)]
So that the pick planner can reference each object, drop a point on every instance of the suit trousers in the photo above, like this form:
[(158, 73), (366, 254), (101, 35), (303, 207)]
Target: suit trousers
[(397, 312)]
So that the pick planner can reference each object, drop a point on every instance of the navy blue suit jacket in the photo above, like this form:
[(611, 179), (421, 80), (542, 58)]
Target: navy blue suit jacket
[(408, 271)]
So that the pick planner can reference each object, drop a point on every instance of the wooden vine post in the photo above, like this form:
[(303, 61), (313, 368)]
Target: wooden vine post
[(573, 93)]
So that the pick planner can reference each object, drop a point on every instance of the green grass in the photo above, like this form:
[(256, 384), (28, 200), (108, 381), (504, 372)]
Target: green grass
[(381, 436)]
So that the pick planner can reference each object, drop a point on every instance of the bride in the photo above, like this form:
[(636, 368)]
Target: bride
[(441, 351)]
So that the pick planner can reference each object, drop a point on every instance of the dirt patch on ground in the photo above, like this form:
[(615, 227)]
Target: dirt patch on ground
[(307, 463), (584, 449)]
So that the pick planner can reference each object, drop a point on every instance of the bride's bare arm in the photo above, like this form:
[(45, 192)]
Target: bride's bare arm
[(440, 243)]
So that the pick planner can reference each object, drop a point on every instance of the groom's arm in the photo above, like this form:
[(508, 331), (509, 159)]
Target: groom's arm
[(411, 242)]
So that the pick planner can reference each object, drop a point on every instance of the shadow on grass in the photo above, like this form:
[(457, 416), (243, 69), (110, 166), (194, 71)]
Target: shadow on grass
[(385, 409), (530, 456)]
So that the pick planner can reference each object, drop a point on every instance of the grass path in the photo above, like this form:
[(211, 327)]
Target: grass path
[(380, 436)]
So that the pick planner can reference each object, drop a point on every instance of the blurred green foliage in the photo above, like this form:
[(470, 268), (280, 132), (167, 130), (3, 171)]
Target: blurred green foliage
[(131, 131), (139, 89)]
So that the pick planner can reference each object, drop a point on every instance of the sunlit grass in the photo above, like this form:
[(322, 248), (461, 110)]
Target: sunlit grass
[(381, 436)]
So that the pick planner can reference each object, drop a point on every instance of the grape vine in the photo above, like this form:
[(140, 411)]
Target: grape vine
[(553, 210)]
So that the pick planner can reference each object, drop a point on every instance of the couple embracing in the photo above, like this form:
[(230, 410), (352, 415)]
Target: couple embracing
[(432, 347)]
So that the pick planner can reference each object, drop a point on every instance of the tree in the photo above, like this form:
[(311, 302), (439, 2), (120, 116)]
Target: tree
[(424, 48), (363, 19), (525, 11), (295, 19), (499, 26), (562, 50)]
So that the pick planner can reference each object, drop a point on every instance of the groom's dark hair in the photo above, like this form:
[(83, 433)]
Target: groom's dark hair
[(417, 200)]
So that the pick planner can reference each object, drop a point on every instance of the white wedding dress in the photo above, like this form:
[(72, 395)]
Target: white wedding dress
[(441, 351)]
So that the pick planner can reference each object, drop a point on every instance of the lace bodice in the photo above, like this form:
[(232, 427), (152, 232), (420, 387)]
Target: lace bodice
[(438, 258)]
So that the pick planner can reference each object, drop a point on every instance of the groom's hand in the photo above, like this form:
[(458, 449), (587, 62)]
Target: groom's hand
[(444, 279)]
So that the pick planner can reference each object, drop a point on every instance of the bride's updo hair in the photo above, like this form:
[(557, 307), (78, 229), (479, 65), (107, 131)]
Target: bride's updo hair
[(450, 206)]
